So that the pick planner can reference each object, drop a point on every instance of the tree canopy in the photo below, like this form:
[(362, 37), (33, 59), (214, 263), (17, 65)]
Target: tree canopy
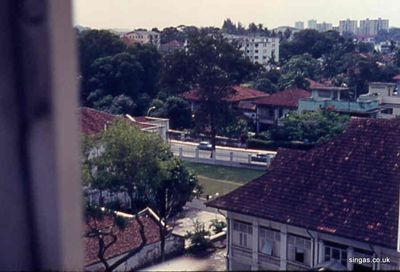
[(310, 127)]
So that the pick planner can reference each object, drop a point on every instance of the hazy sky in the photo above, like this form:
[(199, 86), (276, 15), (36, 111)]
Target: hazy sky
[(272, 13)]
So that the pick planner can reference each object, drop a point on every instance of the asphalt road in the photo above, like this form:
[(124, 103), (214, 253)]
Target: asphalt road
[(222, 152)]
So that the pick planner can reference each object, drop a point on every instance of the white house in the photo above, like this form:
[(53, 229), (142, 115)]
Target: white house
[(334, 206), (142, 37), (388, 97)]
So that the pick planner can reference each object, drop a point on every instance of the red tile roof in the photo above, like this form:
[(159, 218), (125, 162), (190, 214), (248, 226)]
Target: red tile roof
[(348, 186), (287, 98), (127, 239), (397, 77), (314, 85), (240, 94), (94, 121)]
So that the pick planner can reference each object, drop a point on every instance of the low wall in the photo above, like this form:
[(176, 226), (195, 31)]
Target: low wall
[(224, 163), (150, 254)]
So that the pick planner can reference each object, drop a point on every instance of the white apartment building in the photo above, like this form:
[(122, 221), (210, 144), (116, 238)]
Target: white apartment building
[(322, 27), (348, 26), (299, 25), (143, 37), (312, 24), (258, 49), (371, 28)]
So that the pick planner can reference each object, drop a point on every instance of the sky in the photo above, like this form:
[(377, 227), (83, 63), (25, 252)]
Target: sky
[(131, 14)]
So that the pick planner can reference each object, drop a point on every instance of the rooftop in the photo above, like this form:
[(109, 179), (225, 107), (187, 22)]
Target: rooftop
[(287, 98), (94, 121), (314, 85), (127, 239), (348, 186), (240, 93)]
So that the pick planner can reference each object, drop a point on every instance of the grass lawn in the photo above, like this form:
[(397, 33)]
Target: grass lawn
[(221, 179)]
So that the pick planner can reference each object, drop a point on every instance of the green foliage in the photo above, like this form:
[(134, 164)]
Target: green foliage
[(176, 109), (238, 128), (210, 65), (123, 158), (127, 159), (297, 69), (312, 42), (310, 127), (217, 225), (199, 240), (110, 69)]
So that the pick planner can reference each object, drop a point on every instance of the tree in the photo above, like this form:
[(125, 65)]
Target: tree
[(297, 69), (176, 109), (211, 66), (139, 164), (229, 27), (310, 127), (107, 235), (94, 44), (171, 195)]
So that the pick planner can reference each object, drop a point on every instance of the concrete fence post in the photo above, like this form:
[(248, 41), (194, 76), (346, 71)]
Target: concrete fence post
[(197, 154), (214, 155), (231, 157), (180, 152), (249, 158)]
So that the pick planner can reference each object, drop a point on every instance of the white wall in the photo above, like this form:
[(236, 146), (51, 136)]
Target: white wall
[(148, 255)]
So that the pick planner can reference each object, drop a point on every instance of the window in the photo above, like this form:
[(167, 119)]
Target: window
[(242, 234), (256, 51), (335, 253), (299, 249), (271, 112), (299, 255), (269, 242), (255, 57), (387, 111)]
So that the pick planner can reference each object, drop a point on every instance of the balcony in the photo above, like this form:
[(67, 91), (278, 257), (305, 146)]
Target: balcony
[(360, 107)]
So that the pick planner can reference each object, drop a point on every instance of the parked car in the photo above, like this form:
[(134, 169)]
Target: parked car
[(204, 146), (259, 157)]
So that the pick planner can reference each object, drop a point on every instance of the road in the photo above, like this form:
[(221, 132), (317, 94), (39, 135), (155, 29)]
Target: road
[(222, 152)]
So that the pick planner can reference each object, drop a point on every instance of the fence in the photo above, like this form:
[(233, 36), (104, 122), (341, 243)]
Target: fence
[(224, 158)]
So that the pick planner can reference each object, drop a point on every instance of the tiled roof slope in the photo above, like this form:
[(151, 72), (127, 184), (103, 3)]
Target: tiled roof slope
[(94, 121), (287, 98), (240, 94), (348, 186), (127, 239)]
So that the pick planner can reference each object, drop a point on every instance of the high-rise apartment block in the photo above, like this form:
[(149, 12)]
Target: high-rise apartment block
[(312, 24), (258, 49), (371, 28), (348, 26), (299, 25)]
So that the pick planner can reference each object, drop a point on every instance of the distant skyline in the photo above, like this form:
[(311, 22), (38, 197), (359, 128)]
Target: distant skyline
[(130, 14)]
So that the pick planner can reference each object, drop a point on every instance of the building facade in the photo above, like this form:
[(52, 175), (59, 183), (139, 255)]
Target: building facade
[(272, 108), (321, 208), (387, 96), (299, 25), (371, 28), (312, 24), (142, 37), (259, 49), (348, 26), (329, 97)]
